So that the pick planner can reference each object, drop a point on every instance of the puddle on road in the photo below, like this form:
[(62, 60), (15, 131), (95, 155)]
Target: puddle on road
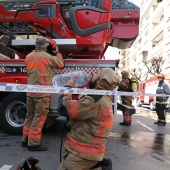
[(6, 140), (5, 145), (156, 145)]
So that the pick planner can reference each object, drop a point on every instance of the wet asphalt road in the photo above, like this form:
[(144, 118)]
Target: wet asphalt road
[(143, 145)]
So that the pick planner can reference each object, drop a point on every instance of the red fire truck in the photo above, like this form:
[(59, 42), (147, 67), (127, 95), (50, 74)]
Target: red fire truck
[(82, 28), (149, 86)]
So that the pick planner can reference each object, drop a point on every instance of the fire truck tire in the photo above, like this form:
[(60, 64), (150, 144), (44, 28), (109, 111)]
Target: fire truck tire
[(13, 112), (138, 103), (152, 106)]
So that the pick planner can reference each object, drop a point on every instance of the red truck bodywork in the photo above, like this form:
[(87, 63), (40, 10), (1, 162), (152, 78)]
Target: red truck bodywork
[(93, 26), (82, 28), (149, 86)]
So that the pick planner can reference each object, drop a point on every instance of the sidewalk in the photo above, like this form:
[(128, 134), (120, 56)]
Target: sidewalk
[(142, 111)]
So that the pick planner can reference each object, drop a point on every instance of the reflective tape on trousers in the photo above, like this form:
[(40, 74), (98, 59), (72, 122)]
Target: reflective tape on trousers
[(10, 87)]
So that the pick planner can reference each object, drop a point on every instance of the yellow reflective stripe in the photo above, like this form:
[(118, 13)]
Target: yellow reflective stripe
[(160, 102)]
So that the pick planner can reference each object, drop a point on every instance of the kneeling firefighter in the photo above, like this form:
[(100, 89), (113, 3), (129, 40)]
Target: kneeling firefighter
[(91, 119)]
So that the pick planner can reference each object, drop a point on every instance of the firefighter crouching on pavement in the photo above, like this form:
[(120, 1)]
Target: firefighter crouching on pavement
[(39, 65), (126, 85), (161, 100), (91, 119)]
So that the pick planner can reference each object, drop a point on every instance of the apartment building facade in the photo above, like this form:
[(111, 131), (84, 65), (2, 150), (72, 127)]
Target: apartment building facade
[(153, 39)]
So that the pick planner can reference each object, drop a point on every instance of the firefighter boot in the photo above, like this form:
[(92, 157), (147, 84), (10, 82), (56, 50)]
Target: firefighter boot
[(161, 124), (107, 164), (24, 144), (157, 122), (125, 123), (37, 148)]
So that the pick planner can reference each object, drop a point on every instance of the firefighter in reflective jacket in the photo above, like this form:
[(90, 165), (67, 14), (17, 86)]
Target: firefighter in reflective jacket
[(161, 100), (39, 65), (126, 85), (91, 119)]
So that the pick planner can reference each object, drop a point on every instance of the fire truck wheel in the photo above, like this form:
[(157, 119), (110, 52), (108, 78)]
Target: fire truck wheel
[(152, 106), (13, 112)]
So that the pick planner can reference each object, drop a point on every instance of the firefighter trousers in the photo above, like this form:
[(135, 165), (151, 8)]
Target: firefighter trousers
[(74, 162), (161, 112), (37, 110), (127, 101)]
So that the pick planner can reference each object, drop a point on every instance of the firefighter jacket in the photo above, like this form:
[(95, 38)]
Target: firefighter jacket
[(91, 119), (125, 85), (40, 65), (162, 89)]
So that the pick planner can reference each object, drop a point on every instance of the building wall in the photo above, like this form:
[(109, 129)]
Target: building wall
[(153, 39)]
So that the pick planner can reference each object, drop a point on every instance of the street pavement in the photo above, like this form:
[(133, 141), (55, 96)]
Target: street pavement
[(143, 145)]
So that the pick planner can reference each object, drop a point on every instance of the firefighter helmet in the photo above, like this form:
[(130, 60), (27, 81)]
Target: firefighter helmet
[(161, 75), (52, 47)]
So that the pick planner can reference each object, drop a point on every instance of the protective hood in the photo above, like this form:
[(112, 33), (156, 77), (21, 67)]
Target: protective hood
[(108, 79), (125, 74)]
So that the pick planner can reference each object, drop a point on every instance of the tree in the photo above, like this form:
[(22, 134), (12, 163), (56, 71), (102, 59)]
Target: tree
[(137, 72), (154, 65)]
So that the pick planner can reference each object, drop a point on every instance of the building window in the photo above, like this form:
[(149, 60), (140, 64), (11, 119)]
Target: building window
[(147, 33), (162, 17), (159, 1), (169, 32), (147, 17)]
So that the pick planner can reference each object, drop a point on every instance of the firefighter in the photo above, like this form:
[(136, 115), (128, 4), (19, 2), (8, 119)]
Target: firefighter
[(91, 119), (126, 85), (39, 65), (161, 100)]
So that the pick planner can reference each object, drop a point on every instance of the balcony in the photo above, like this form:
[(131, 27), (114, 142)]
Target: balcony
[(122, 59), (167, 37), (159, 10), (148, 6), (168, 21), (168, 48), (133, 52), (123, 52), (157, 30), (157, 49), (146, 40), (121, 67)]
